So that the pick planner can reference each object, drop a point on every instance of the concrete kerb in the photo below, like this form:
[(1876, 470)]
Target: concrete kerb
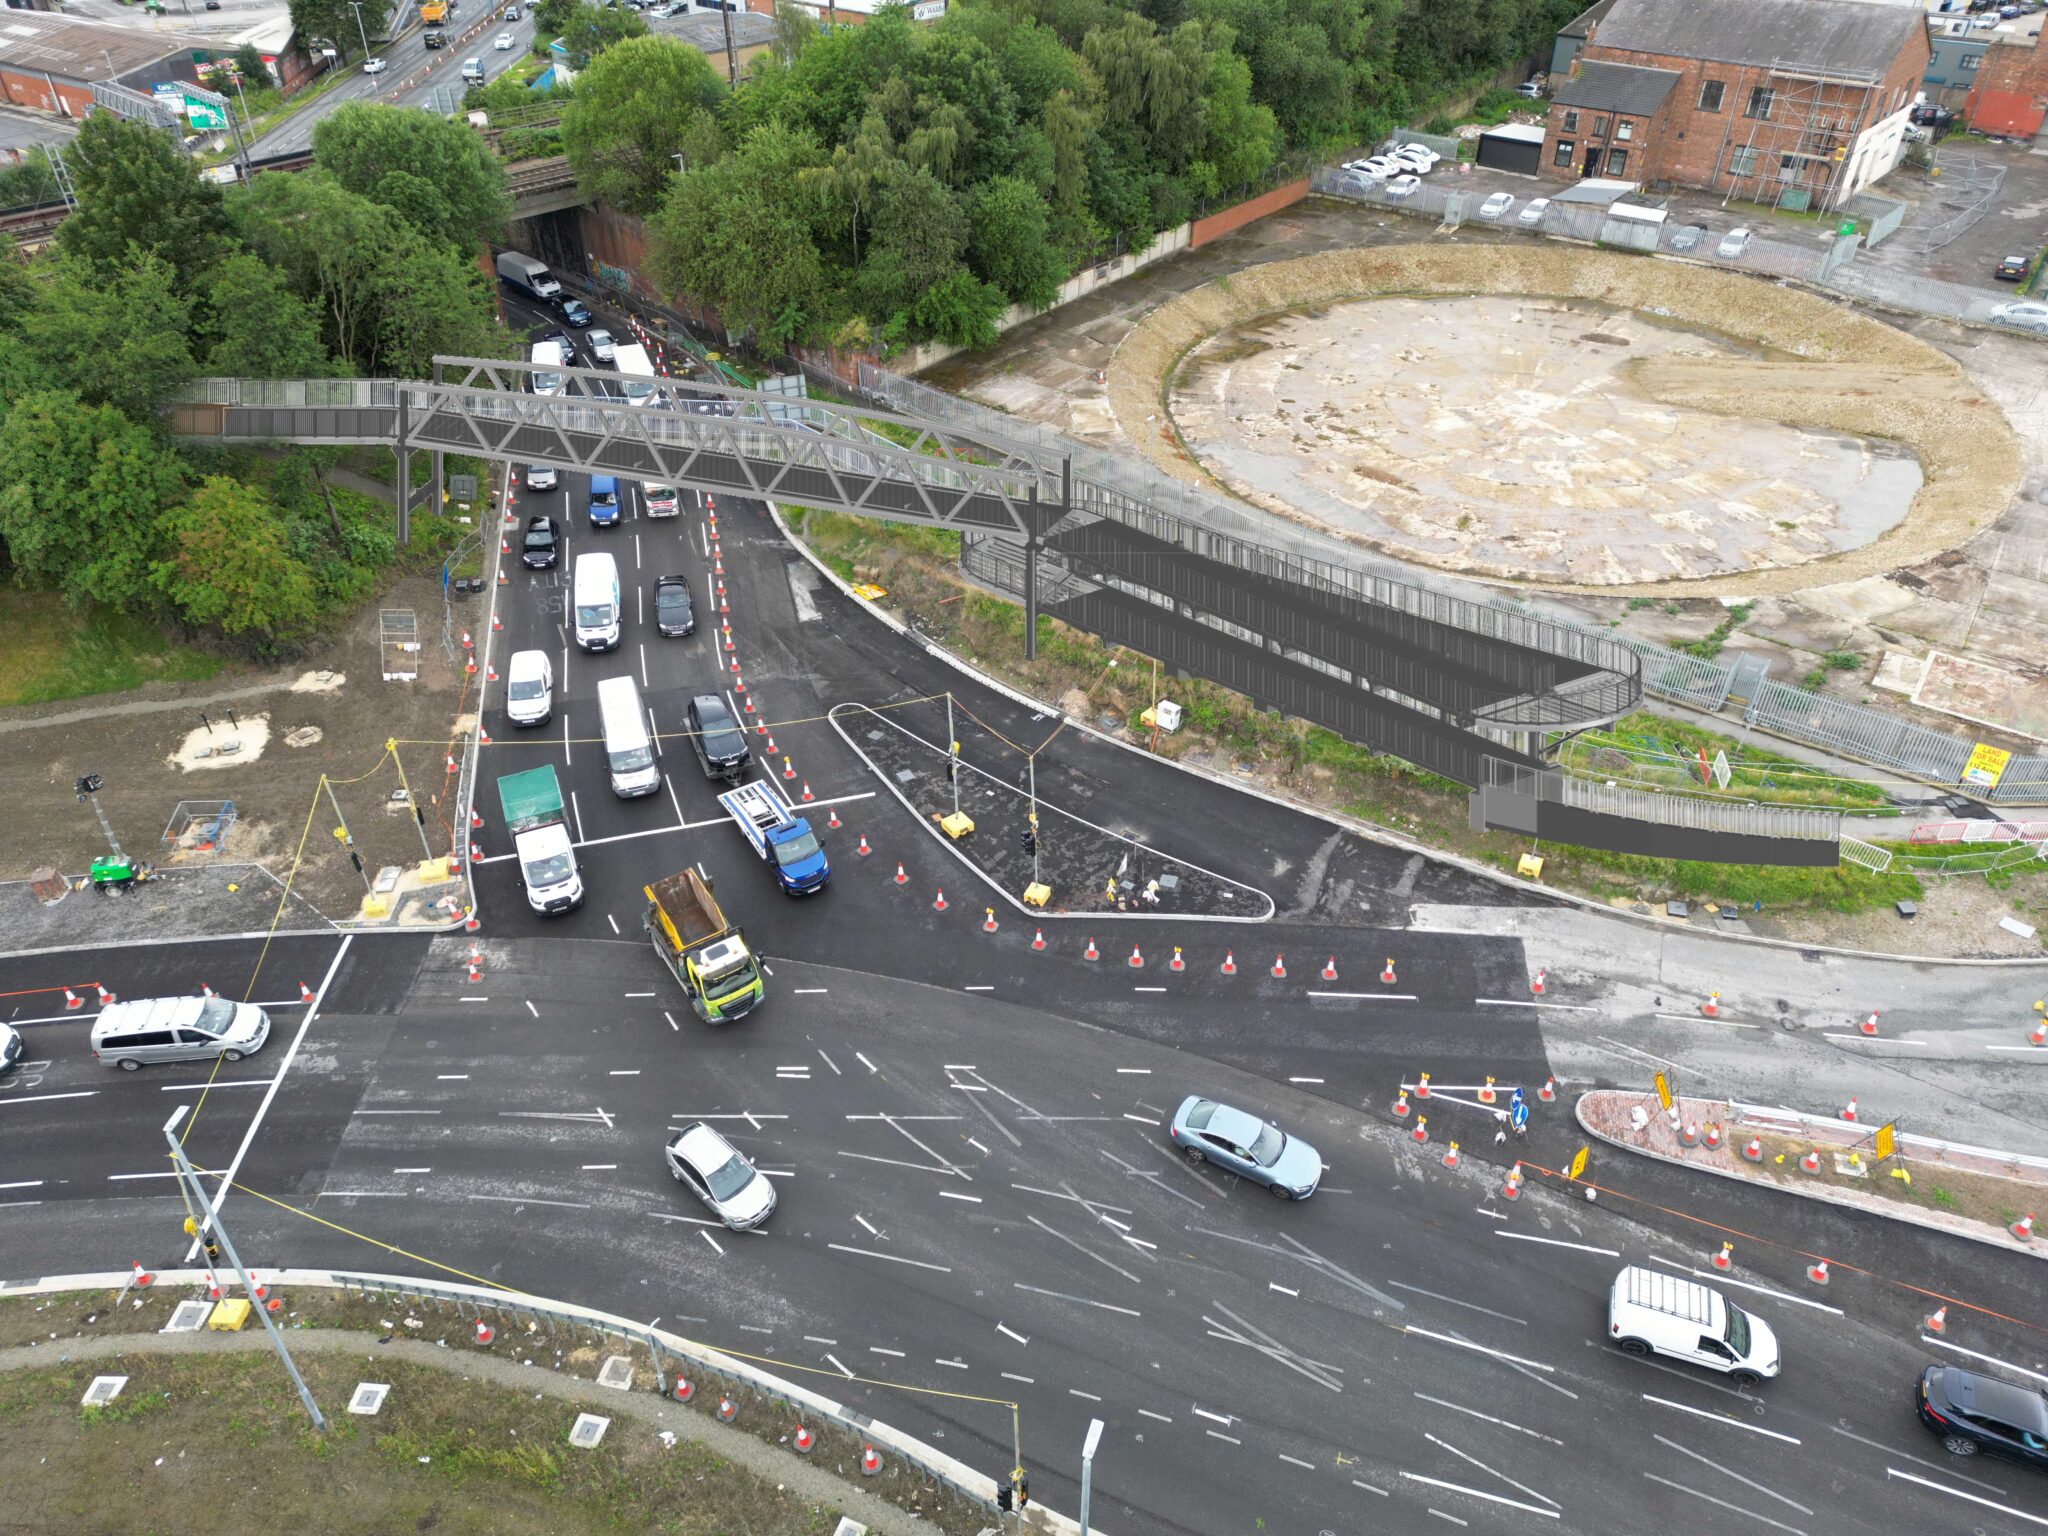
[(1365, 829), (832, 716), (890, 1441), (1848, 1199)]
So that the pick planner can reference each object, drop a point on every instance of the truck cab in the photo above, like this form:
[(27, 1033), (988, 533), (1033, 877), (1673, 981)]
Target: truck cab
[(532, 805), (707, 956)]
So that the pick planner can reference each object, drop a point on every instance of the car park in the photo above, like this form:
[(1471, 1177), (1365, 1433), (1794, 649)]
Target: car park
[(1653, 1312), (373, 65), (718, 1173), (720, 744), (1734, 244), (505, 42), (601, 346), (529, 688), (1533, 210), (2011, 269), (1205, 1131), (145, 1031), (541, 477), (1976, 1413), (575, 311), (542, 548), (2024, 316), (1497, 205), (1403, 186), (1688, 237), (674, 615)]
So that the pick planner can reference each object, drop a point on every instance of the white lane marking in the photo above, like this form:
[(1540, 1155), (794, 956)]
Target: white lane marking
[(473, 999), (600, 1167), (167, 1174), (814, 1338), (713, 1242), (639, 994), (1148, 989), (976, 989), (897, 1162), (359, 1194), (868, 1224), (44, 1098), (1083, 1300), (944, 1269), (1452, 1518), (1281, 1289), (568, 1205), (1376, 997), (531, 1009), (1957, 1493), (1148, 1413), (613, 921), (865, 1062), (1736, 1509), (1541, 1498), (643, 643), (1297, 1461), (1475, 1413), (1029, 1381), (567, 761), (953, 1194), (1445, 1338), (836, 1361), (1762, 1290), (958, 1365), (1987, 1359), (1454, 1301), (394, 1111), (807, 991), (1368, 1487), (451, 1077), (1217, 1435), (24, 1184), (1304, 1079), (672, 1024), (240, 1082), (575, 806), (1694, 1018), (1476, 1493), (1133, 1071), (1078, 1248), (1553, 1242), (1530, 1002), (227, 1180), (876, 1349), (1708, 1461), (1879, 1445), (1877, 1040), (831, 1063), (625, 1072), (1221, 1418), (1010, 1332), (1077, 1392)]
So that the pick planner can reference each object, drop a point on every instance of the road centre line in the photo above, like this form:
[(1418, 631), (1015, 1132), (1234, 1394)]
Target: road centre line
[(1489, 1418), (1221, 1418), (1139, 989), (1491, 1498), (1308, 1466), (1148, 1413), (958, 1365), (1134, 1071), (472, 999), (954, 1194), (1445, 1338), (1454, 1301), (943, 1269), (168, 1173), (24, 1184), (1009, 1332), (625, 1072), (1957, 1493), (1530, 1002), (1082, 1300), (1724, 1504), (1029, 1381), (1987, 1359), (1762, 1290), (1291, 1080), (451, 1077), (600, 1168), (1540, 1498), (807, 991), (1077, 1392), (1722, 1418), (639, 994), (1217, 1435), (1555, 1242), (876, 1349), (976, 989), (45, 1098), (1271, 1286), (1381, 997), (240, 1082), (412, 1170)]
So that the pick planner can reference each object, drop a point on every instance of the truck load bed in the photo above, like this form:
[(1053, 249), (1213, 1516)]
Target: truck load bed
[(686, 910), (530, 799)]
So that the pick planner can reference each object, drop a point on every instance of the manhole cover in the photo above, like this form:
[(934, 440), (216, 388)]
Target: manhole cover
[(104, 1389), (368, 1396), (587, 1431), (617, 1372), (190, 1317)]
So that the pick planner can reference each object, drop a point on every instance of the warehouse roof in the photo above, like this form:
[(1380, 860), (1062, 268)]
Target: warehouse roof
[(1625, 88), (39, 42), (1849, 36), (705, 30)]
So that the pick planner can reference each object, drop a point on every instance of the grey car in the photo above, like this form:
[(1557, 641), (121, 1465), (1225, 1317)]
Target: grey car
[(1208, 1132), (1688, 238), (718, 1173)]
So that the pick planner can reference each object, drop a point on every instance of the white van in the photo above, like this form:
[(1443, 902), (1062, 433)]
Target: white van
[(628, 747), (596, 599), (529, 688), (1651, 1312), (547, 356), (144, 1031)]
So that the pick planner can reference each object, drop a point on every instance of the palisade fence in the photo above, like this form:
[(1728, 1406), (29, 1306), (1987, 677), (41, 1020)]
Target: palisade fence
[(1696, 812)]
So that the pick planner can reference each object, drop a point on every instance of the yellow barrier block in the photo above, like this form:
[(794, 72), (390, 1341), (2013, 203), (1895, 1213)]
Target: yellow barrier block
[(376, 906), (957, 825), (434, 871), (1530, 866), (229, 1315), (1037, 894)]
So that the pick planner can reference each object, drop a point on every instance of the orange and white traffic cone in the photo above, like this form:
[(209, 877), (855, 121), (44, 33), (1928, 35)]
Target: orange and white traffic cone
[(1176, 963), (2023, 1229), (1712, 1006), (1387, 975), (1869, 1025), (1451, 1156), (1536, 983), (1330, 969), (1421, 1131), (72, 999), (901, 877), (1401, 1106), (1279, 968), (1548, 1092), (2040, 1034), (1818, 1273), (1091, 952), (1038, 938), (1422, 1086), (1725, 1259), (988, 919), (1137, 961), (863, 850), (1936, 1321), (831, 815), (484, 1332), (1486, 1093), (142, 1277), (1512, 1190), (1229, 963), (305, 993), (1849, 1111), (939, 901)]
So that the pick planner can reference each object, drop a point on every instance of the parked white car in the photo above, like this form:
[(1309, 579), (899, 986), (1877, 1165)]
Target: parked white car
[(1403, 186), (1496, 205), (1733, 244), (1533, 210), (2025, 316), (1417, 151)]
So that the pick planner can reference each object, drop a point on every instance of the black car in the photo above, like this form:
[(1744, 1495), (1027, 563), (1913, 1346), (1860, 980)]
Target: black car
[(575, 311), (543, 547), (721, 744), (673, 613), (1927, 115), (561, 338), (2011, 269), (434, 37), (1973, 1413)]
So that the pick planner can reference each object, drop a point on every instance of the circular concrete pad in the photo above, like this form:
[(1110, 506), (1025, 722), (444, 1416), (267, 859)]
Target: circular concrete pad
[(1504, 436)]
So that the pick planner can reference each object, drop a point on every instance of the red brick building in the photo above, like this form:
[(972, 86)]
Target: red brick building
[(2010, 97), (1796, 103)]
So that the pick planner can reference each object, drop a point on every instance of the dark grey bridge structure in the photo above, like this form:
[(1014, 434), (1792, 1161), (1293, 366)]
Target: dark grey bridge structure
[(1465, 689)]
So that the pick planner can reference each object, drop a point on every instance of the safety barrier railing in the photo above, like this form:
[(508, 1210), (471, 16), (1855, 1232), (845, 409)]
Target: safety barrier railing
[(1700, 813)]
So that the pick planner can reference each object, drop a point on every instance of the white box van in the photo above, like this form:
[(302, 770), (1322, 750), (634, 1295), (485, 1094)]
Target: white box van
[(1651, 1312), (547, 356), (529, 688), (149, 1030), (628, 746), (473, 71), (595, 596)]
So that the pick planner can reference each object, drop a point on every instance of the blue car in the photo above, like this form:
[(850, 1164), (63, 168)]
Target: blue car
[(575, 311), (604, 501), (1208, 1132)]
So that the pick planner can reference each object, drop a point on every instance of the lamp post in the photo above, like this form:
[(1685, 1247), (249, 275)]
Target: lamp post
[(1088, 1468), (361, 31)]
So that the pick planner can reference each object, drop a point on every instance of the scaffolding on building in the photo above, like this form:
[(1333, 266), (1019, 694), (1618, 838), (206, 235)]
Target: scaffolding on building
[(1796, 149)]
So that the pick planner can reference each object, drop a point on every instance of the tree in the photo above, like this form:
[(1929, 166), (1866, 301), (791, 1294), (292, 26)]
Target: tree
[(551, 18), (634, 108), (590, 32), (225, 563), (137, 189), (327, 21), (431, 301), (1011, 242), (433, 171), (112, 337), (17, 288), (920, 231), (795, 30), (80, 492), (255, 327), (31, 181), (961, 311), (249, 60), (1240, 137), (854, 179)]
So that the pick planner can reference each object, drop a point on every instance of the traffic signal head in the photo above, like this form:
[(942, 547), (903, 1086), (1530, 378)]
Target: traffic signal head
[(1003, 1497)]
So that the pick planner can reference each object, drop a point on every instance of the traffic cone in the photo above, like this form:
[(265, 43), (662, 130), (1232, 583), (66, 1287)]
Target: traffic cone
[(831, 816), (683, 1390), (1038, 938), (305, 993), (1710, 1136), (106, 997), (804, 1441), (213, 1290), (476, 818), (1849, 1110), (1387, 975), (1137, 961), (2023, 1229), (1536, 983), (788, 769), (451, 762), (2040, 1034), (1421, 1131), (1279, 968), (1451, 1157), (863, 850), (1091, 953), (491, 673), (1512, 1190), (807, 791), (484, 1332), (471, 922), (483, 737), (870, 1461), (497, 625), (1811, 1162), (142, 1277), (205, 990), (1725, 1259), (1486, 1093), (939, 901), (1229, 963), (1688, 1134), (1712, 1006), (728, 1410), (749, 707), (476, 854), (1330, 969), (1422, 1086), (1753, 1149), (467, 643), (1818, 1273), (988, 920), (72, 999), (1548, 1092), (1936, 1321), (1176, 963), (1869, 1025), (901, 877), (1401, 1106), (762, 727), (502, 579), (475, 972)]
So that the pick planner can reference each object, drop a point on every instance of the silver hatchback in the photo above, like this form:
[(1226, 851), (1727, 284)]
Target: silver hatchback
[(1208, 1132), (718, 1173)]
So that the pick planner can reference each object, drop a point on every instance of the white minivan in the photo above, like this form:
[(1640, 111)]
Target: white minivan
[(595, 595), (529, 688), (628, 745), (1650, 1312), (144, 1031), (547, 357)]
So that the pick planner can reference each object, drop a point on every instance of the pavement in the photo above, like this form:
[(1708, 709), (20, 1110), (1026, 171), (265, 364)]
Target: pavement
[(1004, 1216)]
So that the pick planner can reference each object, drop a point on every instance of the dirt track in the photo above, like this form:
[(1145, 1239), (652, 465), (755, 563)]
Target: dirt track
[(1851, 374)]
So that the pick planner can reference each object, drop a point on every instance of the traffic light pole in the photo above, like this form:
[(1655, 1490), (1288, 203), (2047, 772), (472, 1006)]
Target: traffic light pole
[(190, 1175)]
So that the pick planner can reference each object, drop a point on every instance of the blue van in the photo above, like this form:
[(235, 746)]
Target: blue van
[(604, 501)]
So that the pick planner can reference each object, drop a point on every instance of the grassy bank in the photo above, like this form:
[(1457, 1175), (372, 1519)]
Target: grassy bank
[(1643, 750), (56, 652)]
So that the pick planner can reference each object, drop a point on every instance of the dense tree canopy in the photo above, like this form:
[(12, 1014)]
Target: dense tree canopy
[(634, 110), (434, 172)]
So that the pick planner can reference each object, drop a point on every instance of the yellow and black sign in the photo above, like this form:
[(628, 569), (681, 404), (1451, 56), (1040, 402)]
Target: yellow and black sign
[(1887, 1141), (1663, 1091), (1986, 766), (1578, 1163)]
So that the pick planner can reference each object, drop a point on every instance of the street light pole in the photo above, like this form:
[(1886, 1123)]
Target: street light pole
[(1088, 1467), (356, 6), (190, 1175)]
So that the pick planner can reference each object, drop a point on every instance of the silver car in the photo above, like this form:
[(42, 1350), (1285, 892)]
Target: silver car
[(601, 345), (1208, 1132), (2026, 315), (718, 1173)]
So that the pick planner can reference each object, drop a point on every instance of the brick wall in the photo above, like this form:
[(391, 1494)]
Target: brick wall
[(1217, 225), (21, 89), (2011, 95)]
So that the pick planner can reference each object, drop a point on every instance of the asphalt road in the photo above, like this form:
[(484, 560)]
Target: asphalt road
[(1005, 1220)]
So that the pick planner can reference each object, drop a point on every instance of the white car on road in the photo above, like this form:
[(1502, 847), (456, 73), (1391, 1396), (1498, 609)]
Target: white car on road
[(1496, 205), (1533, 210), (373, 66), (506, 42)]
